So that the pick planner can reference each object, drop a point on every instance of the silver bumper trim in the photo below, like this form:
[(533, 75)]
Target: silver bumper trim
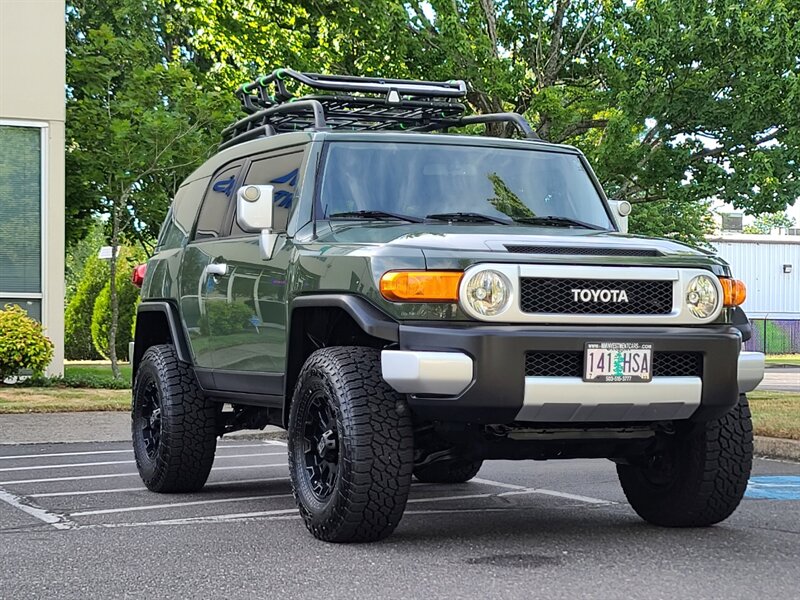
[(751, 371), (412, 372), (570, 399)]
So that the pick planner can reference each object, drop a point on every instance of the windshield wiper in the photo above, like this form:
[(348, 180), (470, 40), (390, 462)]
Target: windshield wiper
[(375, 214), (468, 217), (559, 222)]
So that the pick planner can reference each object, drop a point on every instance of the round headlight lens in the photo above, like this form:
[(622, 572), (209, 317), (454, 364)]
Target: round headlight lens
[(488, 292), (702, 297)]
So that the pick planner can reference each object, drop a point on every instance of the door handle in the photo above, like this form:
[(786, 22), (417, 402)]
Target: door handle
[(217, 269)]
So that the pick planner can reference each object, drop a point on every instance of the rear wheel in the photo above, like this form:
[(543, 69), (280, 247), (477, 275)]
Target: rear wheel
[(448, 471), (174, 426), (350, 447), (699, 477)]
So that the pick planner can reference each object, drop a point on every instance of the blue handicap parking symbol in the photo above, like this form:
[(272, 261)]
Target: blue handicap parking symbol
[(774, 487)]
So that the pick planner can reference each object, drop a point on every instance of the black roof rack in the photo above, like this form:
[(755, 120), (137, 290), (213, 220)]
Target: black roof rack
[(355, 104)]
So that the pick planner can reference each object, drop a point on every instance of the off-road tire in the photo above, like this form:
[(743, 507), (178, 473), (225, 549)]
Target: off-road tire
[(183, 457), (374, 460), (711, 464), (448, 471)]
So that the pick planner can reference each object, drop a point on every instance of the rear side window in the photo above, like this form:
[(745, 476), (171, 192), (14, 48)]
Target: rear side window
[(178, 224), (282, 172), (220, 195)]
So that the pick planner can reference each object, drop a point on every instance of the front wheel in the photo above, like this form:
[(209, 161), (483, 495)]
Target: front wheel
[(350, 447), (699, 477)]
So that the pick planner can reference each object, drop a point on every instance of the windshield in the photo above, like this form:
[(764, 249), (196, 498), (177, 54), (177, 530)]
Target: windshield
[(418, 180)]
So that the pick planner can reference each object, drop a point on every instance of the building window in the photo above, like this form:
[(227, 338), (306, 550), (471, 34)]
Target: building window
[(21, 217)]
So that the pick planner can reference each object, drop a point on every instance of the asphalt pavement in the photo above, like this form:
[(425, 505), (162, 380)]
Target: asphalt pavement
[(75, 522)]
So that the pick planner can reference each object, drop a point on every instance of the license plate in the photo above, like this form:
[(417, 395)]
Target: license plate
[(615, 362)]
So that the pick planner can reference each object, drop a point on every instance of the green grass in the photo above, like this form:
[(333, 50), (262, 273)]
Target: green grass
[(784, 359), (776, 414), (47, 400), (85, 369)]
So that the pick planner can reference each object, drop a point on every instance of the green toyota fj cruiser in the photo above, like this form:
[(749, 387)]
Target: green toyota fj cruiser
[(406, 302)]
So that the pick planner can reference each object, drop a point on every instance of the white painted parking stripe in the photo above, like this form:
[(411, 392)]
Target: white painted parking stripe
[(144, 489), (123, 462), (221, 446), (290, 513), (134, 474), (544, 492), (110, 511), (43, 515)]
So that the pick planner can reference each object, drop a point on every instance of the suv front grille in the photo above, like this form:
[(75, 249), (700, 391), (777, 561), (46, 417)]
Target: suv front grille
[(556, 296), (582, 250), (570, 364)]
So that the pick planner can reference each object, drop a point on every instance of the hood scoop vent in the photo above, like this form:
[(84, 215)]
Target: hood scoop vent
[(583, 250)]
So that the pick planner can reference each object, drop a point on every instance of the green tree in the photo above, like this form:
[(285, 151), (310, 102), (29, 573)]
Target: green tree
[(128, 296), (138, 121), (674, 101), (766, 222), (80, 309)]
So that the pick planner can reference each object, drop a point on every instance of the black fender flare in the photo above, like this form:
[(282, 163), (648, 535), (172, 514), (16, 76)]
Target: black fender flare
[(370, 318), (158, 321)]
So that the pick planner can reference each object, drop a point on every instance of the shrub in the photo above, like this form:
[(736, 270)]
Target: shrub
[(78, 315), (23, 345), (128, 296)]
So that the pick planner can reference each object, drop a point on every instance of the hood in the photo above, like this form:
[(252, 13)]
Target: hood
[(505, 239)]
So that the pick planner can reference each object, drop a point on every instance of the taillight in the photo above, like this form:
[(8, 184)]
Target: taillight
[(137, 277)]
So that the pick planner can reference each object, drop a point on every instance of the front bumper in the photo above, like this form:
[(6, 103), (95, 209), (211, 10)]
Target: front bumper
[(476, 374)]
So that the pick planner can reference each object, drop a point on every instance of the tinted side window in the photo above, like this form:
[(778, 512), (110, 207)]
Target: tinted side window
[(219, 196), (180, 218), (281, 172)]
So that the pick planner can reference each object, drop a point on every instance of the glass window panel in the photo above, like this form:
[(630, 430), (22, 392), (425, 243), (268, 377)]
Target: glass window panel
[(20, 209), (32, 307)]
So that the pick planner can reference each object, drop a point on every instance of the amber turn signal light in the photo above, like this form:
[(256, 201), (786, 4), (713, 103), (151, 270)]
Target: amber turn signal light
[(421, 286), (734, 292)]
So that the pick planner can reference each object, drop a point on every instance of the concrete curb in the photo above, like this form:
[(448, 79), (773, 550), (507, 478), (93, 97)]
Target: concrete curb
[(769, 447)]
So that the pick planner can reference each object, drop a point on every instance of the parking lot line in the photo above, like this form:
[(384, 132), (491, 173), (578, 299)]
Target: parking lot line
[(144, 489), (222, 446), (133, 474), (57, 521), (121, 462), (110, 511), (544, 492), (290, 513)]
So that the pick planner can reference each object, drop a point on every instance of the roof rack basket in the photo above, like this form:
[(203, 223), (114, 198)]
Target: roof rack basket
[(354, 104)]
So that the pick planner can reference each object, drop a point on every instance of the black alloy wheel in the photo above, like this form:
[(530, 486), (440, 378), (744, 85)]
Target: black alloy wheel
[(149, 420), (320, 445)]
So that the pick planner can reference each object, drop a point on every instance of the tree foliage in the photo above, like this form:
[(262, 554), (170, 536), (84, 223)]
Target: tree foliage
[(675, 102), (766, 222)]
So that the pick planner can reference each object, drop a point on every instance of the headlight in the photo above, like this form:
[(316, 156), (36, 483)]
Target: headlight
[(488, 293), (702, 297)]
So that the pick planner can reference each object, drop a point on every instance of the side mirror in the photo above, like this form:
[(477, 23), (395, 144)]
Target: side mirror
[(254, 208), (621, 209)]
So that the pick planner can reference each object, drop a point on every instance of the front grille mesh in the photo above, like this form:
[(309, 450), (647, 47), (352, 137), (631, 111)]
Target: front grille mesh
[(555, 296), (570, 364), (582, 250)]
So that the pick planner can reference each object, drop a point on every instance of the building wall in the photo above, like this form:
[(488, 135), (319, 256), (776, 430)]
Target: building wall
[(773, 295), (32, 88), (759, 261)]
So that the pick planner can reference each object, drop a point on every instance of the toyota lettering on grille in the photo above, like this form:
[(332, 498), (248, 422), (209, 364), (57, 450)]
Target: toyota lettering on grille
[(584, 295)]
